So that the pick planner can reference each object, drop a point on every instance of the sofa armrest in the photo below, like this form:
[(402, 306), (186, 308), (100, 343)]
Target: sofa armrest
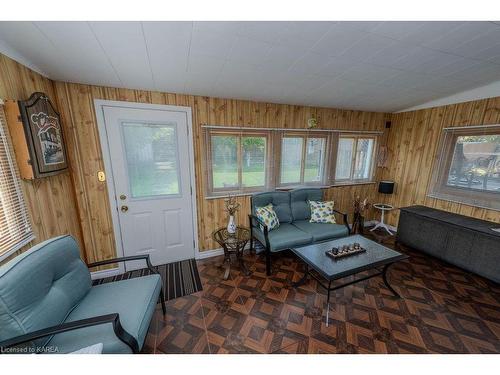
[(260, 222), (125, 259), (345, 219), (70, 326), (251, 219)]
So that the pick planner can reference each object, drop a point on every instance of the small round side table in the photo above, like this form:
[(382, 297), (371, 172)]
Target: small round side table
[(233, 244), (381, 224)]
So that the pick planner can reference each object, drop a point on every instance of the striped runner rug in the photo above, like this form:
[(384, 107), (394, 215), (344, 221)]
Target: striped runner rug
[(179, 278)]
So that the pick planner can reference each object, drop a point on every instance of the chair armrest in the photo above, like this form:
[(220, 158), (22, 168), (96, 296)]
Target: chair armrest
[(260, 222), (125, 259), (344, 217), (251, 218), (70, 326)]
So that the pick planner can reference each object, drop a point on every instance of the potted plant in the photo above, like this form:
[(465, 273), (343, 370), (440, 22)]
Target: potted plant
[(360, 207)]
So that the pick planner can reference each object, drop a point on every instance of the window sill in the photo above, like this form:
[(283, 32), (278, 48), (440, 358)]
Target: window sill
[(343, 184)]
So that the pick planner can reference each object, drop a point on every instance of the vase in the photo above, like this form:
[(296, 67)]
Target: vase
[(358, 223), (231, 225)]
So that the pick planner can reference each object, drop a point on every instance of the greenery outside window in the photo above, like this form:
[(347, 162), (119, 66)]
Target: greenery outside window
[(303, 159), (237, 162), (245, 161), (355, 158)]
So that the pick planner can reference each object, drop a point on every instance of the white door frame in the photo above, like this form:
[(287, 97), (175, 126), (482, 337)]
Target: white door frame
[(101, 125)]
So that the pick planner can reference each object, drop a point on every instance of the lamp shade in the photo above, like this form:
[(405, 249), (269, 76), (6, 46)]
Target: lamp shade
[(386, 187)]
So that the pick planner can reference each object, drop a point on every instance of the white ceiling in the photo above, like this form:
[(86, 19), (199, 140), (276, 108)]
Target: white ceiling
[(378, 66)]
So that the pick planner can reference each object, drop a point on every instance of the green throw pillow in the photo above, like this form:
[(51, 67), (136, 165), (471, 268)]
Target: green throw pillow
[(322, 212), (267, 215)]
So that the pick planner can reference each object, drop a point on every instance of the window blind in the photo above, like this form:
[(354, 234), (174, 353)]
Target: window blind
[(15, 227)]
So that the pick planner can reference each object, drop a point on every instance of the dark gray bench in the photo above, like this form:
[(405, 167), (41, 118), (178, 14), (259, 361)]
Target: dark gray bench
[(463, 241)]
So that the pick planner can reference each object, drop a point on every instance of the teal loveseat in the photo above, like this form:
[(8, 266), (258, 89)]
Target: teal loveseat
[(48, 303), (292, 209)]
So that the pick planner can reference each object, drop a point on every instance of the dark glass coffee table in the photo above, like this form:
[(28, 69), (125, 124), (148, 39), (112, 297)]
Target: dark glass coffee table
[(376, 256)]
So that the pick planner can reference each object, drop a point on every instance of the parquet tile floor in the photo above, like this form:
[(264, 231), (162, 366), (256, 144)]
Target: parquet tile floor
[(443, 309)]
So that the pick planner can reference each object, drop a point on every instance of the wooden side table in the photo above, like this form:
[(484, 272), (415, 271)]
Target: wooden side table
[(233, 244)]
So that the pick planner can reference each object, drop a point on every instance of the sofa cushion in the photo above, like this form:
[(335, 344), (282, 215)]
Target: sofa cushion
[(267, 215), (40, 287), (322, 212), (280, 201), (320, 231), (133, 299), (299, 201), (284, 237)]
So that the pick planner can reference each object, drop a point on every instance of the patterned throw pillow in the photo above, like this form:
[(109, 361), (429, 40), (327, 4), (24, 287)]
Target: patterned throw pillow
[(322, 212), (267, 215)]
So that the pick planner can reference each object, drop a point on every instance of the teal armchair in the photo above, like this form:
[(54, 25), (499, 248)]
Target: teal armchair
[(292, 209), (48, 303)]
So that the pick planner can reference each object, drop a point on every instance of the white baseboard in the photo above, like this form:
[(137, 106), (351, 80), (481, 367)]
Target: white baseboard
[(209, 253)]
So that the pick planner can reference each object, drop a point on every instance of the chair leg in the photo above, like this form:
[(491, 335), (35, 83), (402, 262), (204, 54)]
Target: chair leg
[(162, 299), (268, 262), (251, 245)]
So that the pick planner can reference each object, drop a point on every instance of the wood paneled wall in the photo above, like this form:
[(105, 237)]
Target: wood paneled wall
[(78, 204), (413, 142), (50, 200), (76, 104)]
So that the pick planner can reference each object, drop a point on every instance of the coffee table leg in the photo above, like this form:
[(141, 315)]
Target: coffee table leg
[(303, 279), (384, 277), (328, 303)]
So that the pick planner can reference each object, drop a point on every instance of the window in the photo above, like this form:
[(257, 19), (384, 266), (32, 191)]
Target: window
[(467, 169), (355, 156), (15, 228), (246, 160), (238, 162), (302, 159)]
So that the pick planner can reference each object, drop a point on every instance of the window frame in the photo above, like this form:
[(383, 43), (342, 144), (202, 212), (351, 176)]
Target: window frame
[(326, 160), (274, 138), (239, 189), (438, 185), (350, 180)]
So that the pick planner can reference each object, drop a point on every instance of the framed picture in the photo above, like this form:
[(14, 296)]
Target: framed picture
[(44, 136)]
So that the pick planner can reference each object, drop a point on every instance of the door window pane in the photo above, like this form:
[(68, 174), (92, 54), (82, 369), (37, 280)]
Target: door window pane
[(476, 163), (344, 158), (314, 160), (224, 161), (291, 159), (152, 159), (364, 153), (253, 161)]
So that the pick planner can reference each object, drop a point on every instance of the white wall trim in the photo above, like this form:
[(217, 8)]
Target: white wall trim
[(209, 253), (490, 90), (99, 105)]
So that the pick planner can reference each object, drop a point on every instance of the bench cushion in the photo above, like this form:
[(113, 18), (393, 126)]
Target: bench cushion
[(280, 201), (299, 201), (133, 299), (321, 231), (284, 237)]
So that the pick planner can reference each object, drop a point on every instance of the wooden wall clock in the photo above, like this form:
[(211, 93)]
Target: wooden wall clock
[(37, 136)]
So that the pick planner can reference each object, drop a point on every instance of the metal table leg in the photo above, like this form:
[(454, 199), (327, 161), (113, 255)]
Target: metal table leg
[(384, 277), (328, 302)]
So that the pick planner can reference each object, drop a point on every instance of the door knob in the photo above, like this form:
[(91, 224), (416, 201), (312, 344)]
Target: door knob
[(124, 208)]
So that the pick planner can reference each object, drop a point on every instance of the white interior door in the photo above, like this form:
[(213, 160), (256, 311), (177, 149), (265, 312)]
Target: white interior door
[(149, 154)]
